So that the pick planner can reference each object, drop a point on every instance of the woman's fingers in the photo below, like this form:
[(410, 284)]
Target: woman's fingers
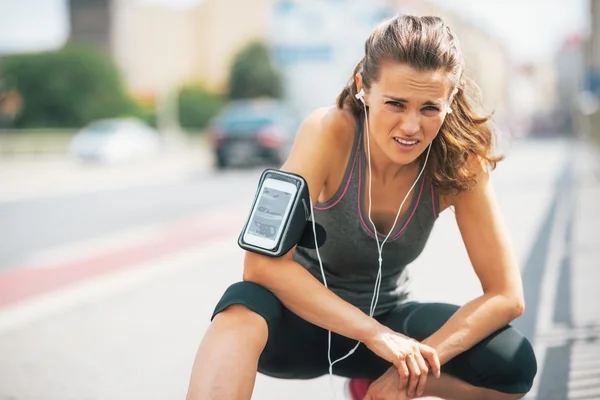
[(424, 372), (403, 372), (415, 374), (431, 356)]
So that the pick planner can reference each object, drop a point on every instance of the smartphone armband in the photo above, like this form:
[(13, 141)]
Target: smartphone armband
[(279, 214)]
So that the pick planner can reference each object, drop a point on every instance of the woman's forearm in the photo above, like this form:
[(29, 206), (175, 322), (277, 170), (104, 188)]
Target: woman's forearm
[(472, 323), (304, 295)]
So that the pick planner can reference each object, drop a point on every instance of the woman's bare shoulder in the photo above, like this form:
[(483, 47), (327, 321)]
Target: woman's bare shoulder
[(322, 146), (331, 127)]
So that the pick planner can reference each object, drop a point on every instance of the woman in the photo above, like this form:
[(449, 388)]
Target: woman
[(403, 122)]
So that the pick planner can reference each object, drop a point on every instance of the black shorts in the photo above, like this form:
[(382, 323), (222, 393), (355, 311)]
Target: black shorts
[(297, 349)]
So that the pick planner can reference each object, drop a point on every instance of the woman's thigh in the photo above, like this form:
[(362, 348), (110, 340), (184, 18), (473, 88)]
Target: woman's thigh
[(503, 361), (298, 349), (295, 349)]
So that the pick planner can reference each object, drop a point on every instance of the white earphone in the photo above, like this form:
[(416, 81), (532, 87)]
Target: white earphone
[(360, 95)]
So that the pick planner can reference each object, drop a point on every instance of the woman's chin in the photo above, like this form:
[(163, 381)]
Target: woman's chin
[(405, 157)]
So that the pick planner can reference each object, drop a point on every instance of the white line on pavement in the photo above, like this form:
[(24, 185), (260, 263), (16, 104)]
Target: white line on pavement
[(102, 287), (128, 237)]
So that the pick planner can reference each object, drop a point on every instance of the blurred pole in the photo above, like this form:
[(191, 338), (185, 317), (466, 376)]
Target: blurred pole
[(167, 119)]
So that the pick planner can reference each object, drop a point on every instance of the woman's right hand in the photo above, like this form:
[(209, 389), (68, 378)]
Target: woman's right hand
[(412, 358)]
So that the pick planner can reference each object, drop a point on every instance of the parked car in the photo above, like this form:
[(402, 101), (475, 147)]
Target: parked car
[(252, 132), (114, 140)]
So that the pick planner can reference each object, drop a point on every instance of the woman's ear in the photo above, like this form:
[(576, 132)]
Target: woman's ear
[(360, 90), (359, 81)]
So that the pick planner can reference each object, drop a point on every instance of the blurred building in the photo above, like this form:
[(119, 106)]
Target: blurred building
[(158, 47), (315, 43), (91, 23), (223, 28), (153, 45)]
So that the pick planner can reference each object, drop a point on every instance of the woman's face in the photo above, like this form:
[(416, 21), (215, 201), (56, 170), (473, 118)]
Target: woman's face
[(406, 109)]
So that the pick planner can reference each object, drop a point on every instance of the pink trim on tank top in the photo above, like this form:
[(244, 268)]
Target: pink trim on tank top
[(433, 201), (347, 184), (360, 199)]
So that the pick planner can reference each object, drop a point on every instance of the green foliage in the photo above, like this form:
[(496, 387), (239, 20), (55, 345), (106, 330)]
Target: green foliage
[(197, 106), (253, 75), (65, 88)]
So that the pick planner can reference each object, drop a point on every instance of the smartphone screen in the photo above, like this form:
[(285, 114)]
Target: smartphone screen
[(270, 213)]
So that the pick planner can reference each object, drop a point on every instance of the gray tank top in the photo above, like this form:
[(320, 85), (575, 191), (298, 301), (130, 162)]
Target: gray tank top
[(349, 255)]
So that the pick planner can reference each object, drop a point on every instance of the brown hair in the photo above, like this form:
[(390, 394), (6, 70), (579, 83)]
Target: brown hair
[(428, 44)]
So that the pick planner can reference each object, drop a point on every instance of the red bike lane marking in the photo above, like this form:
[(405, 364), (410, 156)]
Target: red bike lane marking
[(23, 283)]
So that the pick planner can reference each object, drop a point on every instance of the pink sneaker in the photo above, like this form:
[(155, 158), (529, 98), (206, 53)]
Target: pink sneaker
[(357, 388)]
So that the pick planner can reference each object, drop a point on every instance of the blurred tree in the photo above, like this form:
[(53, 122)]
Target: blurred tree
[(253, 75), (10, 104), (197, 105), (65, 88)]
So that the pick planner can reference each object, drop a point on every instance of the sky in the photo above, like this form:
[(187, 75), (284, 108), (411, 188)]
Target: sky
[(531, 29)]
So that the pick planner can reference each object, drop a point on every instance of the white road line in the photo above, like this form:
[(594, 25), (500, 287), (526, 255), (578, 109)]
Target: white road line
[(584, 377), (584, 383), (127, 237), (587, 394), (101, 287), (586, 373)]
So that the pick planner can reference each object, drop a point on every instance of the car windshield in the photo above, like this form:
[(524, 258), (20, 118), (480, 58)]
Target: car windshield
[(102, 128), (250, 117), (244, 122), (251, 124)]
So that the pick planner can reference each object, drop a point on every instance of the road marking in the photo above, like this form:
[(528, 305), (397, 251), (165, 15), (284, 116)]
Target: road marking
[(101, 287), (136, 235), (21, 283)]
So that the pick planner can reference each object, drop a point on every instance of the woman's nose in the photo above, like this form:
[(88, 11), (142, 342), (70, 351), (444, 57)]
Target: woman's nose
[(410, 124)]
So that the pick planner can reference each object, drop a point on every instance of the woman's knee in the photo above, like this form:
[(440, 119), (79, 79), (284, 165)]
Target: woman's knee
[(248, 307), (238, 316), (505, 362)]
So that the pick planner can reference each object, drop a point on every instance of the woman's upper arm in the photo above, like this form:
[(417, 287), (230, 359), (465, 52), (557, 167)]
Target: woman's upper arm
[(487, 239), (317, 149)]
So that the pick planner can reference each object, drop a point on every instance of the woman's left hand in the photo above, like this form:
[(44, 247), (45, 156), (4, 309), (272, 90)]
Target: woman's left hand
[(387, 387)]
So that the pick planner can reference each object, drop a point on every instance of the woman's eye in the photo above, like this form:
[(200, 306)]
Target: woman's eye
[(395, 104), (431, 108)]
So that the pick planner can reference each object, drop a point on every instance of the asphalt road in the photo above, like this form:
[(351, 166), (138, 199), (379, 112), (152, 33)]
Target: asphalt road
[(132, 332), (33, 225)]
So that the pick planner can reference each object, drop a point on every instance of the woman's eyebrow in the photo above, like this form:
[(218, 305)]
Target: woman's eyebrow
[(401, 100)]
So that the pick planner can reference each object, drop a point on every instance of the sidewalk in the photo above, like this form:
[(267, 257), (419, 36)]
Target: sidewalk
[(26, 178), (568, 327), (581, 332)]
